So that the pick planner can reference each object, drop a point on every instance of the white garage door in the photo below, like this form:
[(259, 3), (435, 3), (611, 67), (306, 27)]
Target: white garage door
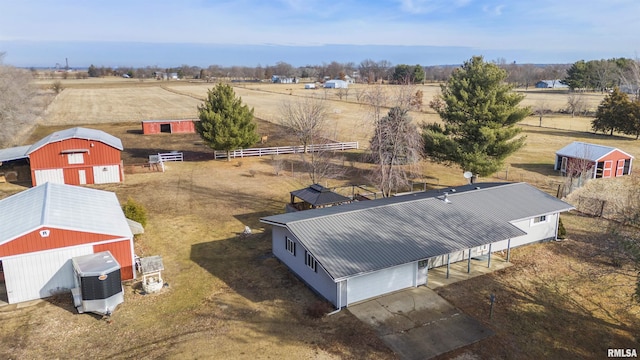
[(380, 282), (39, 275), (106, 174), (55, 176)]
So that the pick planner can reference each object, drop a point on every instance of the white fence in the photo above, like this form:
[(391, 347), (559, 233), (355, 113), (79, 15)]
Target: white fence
[(280, 150), (172, 156)]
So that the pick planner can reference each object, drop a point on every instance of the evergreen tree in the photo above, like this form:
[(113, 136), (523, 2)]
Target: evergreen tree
[(418, 74), (225, 123), (480, 112), (632, 127), (613, 113), (577, 76), (93, 71)]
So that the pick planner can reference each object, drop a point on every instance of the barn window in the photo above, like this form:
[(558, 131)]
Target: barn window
[(310, 261), (291, 246), (75, 158)]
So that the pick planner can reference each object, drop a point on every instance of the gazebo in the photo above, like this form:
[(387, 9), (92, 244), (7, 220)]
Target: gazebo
[(314, 197)]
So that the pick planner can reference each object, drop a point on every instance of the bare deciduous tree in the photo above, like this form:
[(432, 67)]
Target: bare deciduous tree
[(321, 165), (18, 108), (576, 103), (540, 109), (396, 148), (306, 117)]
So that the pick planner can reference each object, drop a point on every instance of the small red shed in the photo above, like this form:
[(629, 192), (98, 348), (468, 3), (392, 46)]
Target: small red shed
[(169, 126), (46, 226), (598, 161)]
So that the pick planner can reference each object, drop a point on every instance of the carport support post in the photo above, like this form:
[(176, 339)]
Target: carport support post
[(508, 250), (469, 263), (448, 262), (489, 261)]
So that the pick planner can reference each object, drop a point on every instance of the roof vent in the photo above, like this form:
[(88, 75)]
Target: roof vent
[(477, 187), (453, 190), (445, 198)]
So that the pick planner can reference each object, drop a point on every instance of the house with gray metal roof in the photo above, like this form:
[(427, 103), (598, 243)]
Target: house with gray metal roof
[(75, 156), (592, 160), (44, 227), (353, 252)]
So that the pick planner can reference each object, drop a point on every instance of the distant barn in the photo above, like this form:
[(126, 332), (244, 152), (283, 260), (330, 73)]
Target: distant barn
[(182, 126)]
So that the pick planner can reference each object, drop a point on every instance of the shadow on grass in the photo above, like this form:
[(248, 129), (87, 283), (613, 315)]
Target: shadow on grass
[(246, 264)]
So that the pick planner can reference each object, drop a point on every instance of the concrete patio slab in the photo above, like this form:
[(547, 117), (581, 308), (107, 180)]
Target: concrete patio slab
[(417, 323)]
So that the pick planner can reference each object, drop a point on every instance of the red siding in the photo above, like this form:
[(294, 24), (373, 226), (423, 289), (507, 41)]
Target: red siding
[(121, 250), (614, 156), (51, 156), (177, 126), (58, 238)]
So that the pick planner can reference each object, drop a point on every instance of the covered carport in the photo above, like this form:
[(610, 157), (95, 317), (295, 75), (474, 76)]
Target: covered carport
[(14, 164)]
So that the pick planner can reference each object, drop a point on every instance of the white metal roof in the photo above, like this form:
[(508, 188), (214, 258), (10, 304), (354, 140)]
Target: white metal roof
[(586, 151), (64, 207), (14, 153), (78, 133), (371, 235)]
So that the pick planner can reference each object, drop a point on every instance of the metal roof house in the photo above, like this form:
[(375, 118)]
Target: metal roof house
[(597, 161), (551, 84), (336, 84), (44, 227), (73, 156), (357, 251)]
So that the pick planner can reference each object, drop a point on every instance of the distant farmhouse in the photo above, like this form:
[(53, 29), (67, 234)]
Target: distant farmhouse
[(277, 79), (551, 84), (357, 251), (594, 161)]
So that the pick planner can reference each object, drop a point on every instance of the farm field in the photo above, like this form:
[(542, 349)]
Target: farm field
[(229, 298)]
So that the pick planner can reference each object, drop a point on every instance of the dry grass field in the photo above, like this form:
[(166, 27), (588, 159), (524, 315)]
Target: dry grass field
[(229, 298)]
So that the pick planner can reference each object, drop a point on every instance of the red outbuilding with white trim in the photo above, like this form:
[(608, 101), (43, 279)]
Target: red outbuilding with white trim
[(598, 161), (75, 156), (46, 226), (181, 126)]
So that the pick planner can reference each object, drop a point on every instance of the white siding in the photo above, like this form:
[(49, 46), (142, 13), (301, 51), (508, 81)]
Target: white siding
[(55, 176), (319, 281), (535, 233), (381, 282), (39, 275), (453, 257), (106, 174)]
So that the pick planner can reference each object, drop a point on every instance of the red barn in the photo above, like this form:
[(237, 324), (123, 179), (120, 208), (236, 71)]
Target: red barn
[(168, 126), (76, 156), (46, 226), (597, 161)]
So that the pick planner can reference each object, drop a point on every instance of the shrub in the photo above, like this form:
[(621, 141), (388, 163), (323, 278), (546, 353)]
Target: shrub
[(319, 309), (562, 232), (134, 211)]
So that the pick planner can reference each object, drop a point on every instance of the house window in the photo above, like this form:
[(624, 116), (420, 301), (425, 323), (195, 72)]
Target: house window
[(310, 261), (291, 246), (539, 219), (75, 158)]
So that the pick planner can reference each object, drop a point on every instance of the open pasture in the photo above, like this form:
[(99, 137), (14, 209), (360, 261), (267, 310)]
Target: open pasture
[(229, 298)]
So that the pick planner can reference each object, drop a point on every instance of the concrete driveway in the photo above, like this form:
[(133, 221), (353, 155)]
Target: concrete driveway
[(417, 323)]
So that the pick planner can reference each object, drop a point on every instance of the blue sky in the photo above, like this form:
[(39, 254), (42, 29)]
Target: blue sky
[(252, 32)]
